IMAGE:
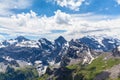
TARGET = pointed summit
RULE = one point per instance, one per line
(21, 38)
(60, 40)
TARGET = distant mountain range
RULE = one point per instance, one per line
(21, 52)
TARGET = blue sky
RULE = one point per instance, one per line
(48, 7)
(52, 18)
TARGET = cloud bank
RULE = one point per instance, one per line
(67, 25)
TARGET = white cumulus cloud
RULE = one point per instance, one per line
(62, 18)
(71, 4)
(7, 5)
(118, 1)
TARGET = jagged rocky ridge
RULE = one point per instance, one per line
(22, 52)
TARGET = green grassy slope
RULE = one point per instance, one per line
(90, 71)
(27, 73)
(97, 66)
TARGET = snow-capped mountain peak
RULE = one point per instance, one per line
(21, 38)
(60, 41)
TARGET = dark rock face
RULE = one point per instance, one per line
(49, 71)
(61, 74)
(60, 41)
(109, 43)
(2, 60)
(106, 44)
(5, 43)
(45, 44)
(12, 62)
(92, 43)
(47, 50)
(102, 76)
(76, 50)
(116, 52)
(19, 53)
